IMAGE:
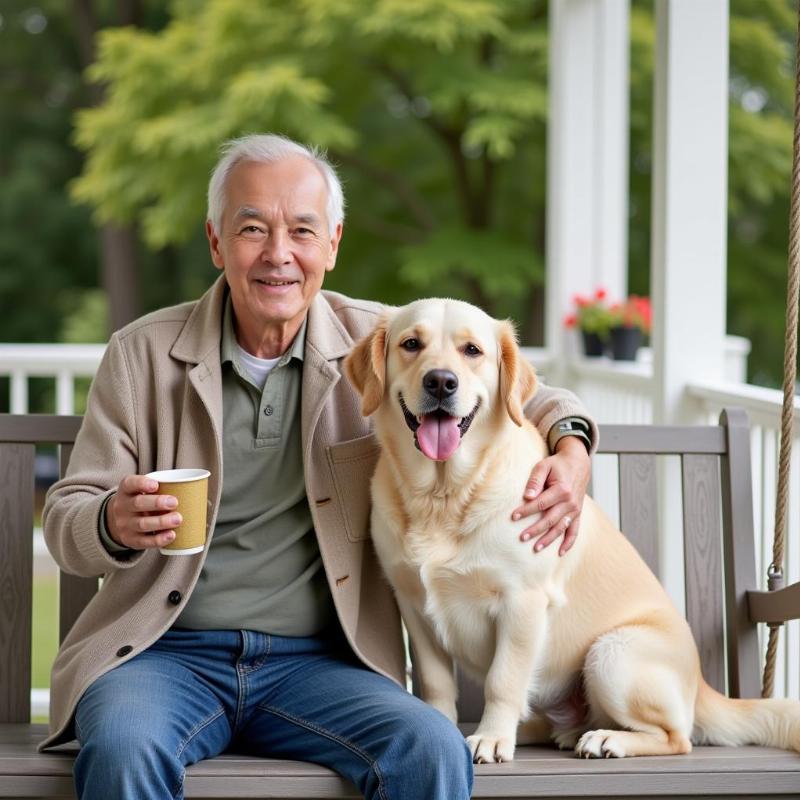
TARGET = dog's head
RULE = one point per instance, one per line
(440, 367)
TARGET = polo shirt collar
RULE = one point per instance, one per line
(228, 347)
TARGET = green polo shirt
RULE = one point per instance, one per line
(263, 570)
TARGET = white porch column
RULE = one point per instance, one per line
(587, 156)
(690, 201)
(688, 258)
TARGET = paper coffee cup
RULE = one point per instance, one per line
(190, 487)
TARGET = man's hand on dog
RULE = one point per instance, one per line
(556, 490)
(138, 518)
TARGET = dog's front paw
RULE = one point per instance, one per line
(600, 744)
(488, 748)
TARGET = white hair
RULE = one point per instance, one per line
(267, 148)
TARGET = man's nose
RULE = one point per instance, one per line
(277, 247)
(440, 383)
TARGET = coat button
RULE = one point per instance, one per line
(123, 651)
(174, 597)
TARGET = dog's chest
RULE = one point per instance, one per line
(467, 582)
(463, 577)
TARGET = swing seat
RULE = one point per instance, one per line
(723, 607)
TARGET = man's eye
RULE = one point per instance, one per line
(472, 350)
(251, 229)
(411, 345)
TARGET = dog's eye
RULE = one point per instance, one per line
(412, 345)
(472, 350)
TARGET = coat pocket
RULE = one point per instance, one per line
(352, 465)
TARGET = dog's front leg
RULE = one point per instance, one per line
(520, 632)
(433, 666)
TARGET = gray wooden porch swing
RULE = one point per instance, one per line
(722, 605)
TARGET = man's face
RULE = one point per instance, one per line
(274, 246)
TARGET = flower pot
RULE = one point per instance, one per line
(625, 342)
(593, 345)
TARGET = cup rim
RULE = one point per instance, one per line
(178, 475)
(183, 551)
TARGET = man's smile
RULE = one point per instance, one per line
(275, 286)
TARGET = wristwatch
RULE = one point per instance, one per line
(570, 426)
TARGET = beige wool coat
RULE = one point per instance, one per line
(156, 403)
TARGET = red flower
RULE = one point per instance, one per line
(581, 300)
(590, 313)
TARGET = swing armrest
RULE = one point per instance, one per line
(778, 606)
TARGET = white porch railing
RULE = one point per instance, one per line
(616, 392)
(61, 362)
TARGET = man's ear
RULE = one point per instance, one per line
(365, 367)
(213, 243)
(517, 375)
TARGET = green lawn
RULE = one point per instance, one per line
(45, 631)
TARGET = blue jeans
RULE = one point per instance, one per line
(195, 694)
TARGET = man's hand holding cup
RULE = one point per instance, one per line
(143, 513)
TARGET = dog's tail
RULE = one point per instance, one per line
(722, 720)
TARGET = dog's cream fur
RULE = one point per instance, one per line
(584, 649)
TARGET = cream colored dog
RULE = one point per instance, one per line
(584, 649)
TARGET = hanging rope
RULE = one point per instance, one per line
(775, 571)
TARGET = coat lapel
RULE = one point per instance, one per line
(198, 346)
(326, 342)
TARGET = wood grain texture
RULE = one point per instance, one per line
(74, 592)
(16, 580)
(38, 428)
(638, 505)
(743, 772)
(738, 547)
(702, 553)
(663, 439)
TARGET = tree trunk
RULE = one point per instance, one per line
(118, 244)
(120, 273)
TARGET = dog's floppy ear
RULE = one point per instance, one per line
(365, 367)
(517, 375)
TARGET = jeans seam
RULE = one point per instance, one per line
(197, 728)
(256, 665)
(185, 741)
(303, 723)
(178, 790)
(241, 684)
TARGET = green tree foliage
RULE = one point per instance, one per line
(434, 110)
(50, 262)
(44, 246)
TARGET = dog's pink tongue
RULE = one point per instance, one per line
(438, 437)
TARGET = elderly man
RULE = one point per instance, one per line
(281, 638)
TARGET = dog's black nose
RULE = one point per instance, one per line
(440, 383)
